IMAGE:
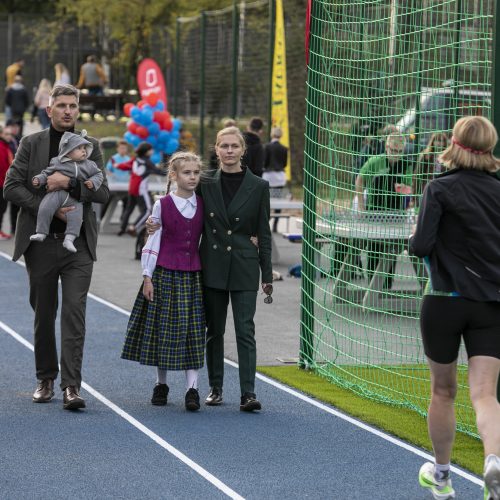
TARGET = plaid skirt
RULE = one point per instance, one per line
(170, 331)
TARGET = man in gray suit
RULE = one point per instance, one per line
(48, 261)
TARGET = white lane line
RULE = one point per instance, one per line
(141, 427)
(387, 437)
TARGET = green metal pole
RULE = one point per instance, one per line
(309, 247)
(456, 59)
(202, 86)
(176, 93)
(272, 16)
(236, 45)
(495, 91)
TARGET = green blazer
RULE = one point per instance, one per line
(230, 261)
(31, 158)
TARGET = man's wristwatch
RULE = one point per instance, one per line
(72, 183)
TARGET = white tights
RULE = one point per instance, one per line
(191, 378)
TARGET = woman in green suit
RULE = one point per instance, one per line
(236, 210)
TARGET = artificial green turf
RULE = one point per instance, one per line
(400, 422)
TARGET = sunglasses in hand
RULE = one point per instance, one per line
(268, 290)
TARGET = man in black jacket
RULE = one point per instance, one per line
(275, 160)
(254, 154)
(18, 100)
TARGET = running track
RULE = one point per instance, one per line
(123, 447)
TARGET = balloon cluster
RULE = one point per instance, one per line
(152, 123)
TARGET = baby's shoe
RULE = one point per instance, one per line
(68, 245)
(38, 237)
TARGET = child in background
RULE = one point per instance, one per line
(6, 158)
(167, 326)
(117, 174)
(138, 193)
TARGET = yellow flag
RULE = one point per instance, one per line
(279, 94)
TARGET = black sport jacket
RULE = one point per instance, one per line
(459, 230)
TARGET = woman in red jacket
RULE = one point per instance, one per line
(6, 158)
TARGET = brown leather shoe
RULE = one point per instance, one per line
(72, 399)
(44, 391)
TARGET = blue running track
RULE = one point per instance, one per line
(123, 447)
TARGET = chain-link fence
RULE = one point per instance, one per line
(409, 68)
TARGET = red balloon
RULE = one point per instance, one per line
(158, 116)
(142, 132)
(153, 98)
(141, 103)
(168, 125)
(132, 127)
(127, 107)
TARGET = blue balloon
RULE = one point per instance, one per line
(160, 106)
(147, 107)
(177, 124)
(135, 112)
(147, 116)
(163, 136)
(156, 157)
(172, 146)
(175, 134)
(128, 136)
(154, 128)
(152, 140)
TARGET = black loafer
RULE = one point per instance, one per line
(160, 395)
(249, 402)
(192, 400)
(44, 391)
(215, 397)
(72, 399)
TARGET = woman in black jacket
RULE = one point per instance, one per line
(458, 235)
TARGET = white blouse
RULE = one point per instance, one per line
(187, 207)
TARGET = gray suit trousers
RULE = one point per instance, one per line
(46, 262)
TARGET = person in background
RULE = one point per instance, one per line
(186, 141)
(166, 328)
(11, 72)
(458, 236)
(92, 77)
(18, 100)
(428, 164)
(254, 152)
(387, 180)
(275, 160)
(61, 74)
(41, 101)
(15, 137)
(118, 175)
(6, 158)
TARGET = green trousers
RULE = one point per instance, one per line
(243, 304)
(46, 262)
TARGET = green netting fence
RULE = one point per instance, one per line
(408, 69)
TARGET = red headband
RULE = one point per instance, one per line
(466, 148)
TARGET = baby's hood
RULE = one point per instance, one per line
(70, 141)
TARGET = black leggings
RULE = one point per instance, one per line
(445, 320)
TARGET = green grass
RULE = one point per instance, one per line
(400, 422)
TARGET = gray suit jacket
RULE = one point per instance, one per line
(31, 158)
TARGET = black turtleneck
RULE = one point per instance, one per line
(230, 183)
(57, 225)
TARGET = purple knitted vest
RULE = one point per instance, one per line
(180, 237)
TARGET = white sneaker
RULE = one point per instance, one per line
(492, 477)
(38, 237)
(440, 489)
(68, 245)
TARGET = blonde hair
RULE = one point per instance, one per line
(230, 131)
(276, 132)
(471, 147)
(228, 122)
(177, 159)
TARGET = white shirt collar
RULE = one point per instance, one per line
(179, 201)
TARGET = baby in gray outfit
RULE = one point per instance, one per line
(72, 161)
